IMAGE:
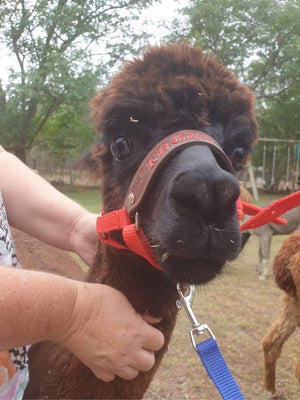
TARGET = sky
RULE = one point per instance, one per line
(165, 10)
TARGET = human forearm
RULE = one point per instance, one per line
(94, 321)
(34, 306)
(37, 208)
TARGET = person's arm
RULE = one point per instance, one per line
(37, 208)
(94, 321)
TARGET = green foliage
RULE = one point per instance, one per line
(52, 44)
(281, 118)
(260, 41)
(67, 132)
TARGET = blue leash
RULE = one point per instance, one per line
(218, 370)
(209, 351)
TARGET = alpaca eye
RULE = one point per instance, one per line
(237, 156)
(121, 148)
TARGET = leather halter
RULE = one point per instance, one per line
(126, 219)
(158, 155)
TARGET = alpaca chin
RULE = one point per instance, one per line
(194, 272)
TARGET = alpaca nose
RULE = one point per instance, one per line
(208, 193)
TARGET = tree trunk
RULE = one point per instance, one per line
(20, 152)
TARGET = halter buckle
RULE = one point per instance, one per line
(137, 221)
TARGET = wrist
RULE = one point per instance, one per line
(75, 231)
(73, 335)
(62, 329)
(83, 236)
(60, 316)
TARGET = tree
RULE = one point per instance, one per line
(52, 46)
(258, 39)
(281, 118)
(67, 132)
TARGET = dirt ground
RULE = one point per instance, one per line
(34, 254)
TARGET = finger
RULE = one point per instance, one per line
(145, 361)
(128, 373)
(154, 339)
(151, 320)
(104, 375)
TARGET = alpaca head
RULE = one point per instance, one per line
(189, 215)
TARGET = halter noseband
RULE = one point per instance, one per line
(157, 157)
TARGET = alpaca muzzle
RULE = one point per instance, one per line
(127, 219)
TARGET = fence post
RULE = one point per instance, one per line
(252, 181)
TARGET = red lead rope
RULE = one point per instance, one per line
(271, 213)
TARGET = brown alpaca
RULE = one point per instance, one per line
(286, 268)
(189, 214)
(245, 195)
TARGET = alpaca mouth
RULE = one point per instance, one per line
(193, 271)
(198, 257)
(195, 261)
(191, 268)
(200, 249)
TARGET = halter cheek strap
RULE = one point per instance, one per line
(133, 236)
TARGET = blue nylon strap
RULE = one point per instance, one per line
(218, 371)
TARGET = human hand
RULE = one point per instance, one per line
(84, 238)
(107, 334)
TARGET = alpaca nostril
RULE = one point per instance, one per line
(193, 198)
(227, 192)
(190, 195)
(209, 199)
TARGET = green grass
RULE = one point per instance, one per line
(89, 198)
(264, 197)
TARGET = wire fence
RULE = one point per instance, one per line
(276, 165)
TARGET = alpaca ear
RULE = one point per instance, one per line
(97, 106)
(90, 162)
(245, 195)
